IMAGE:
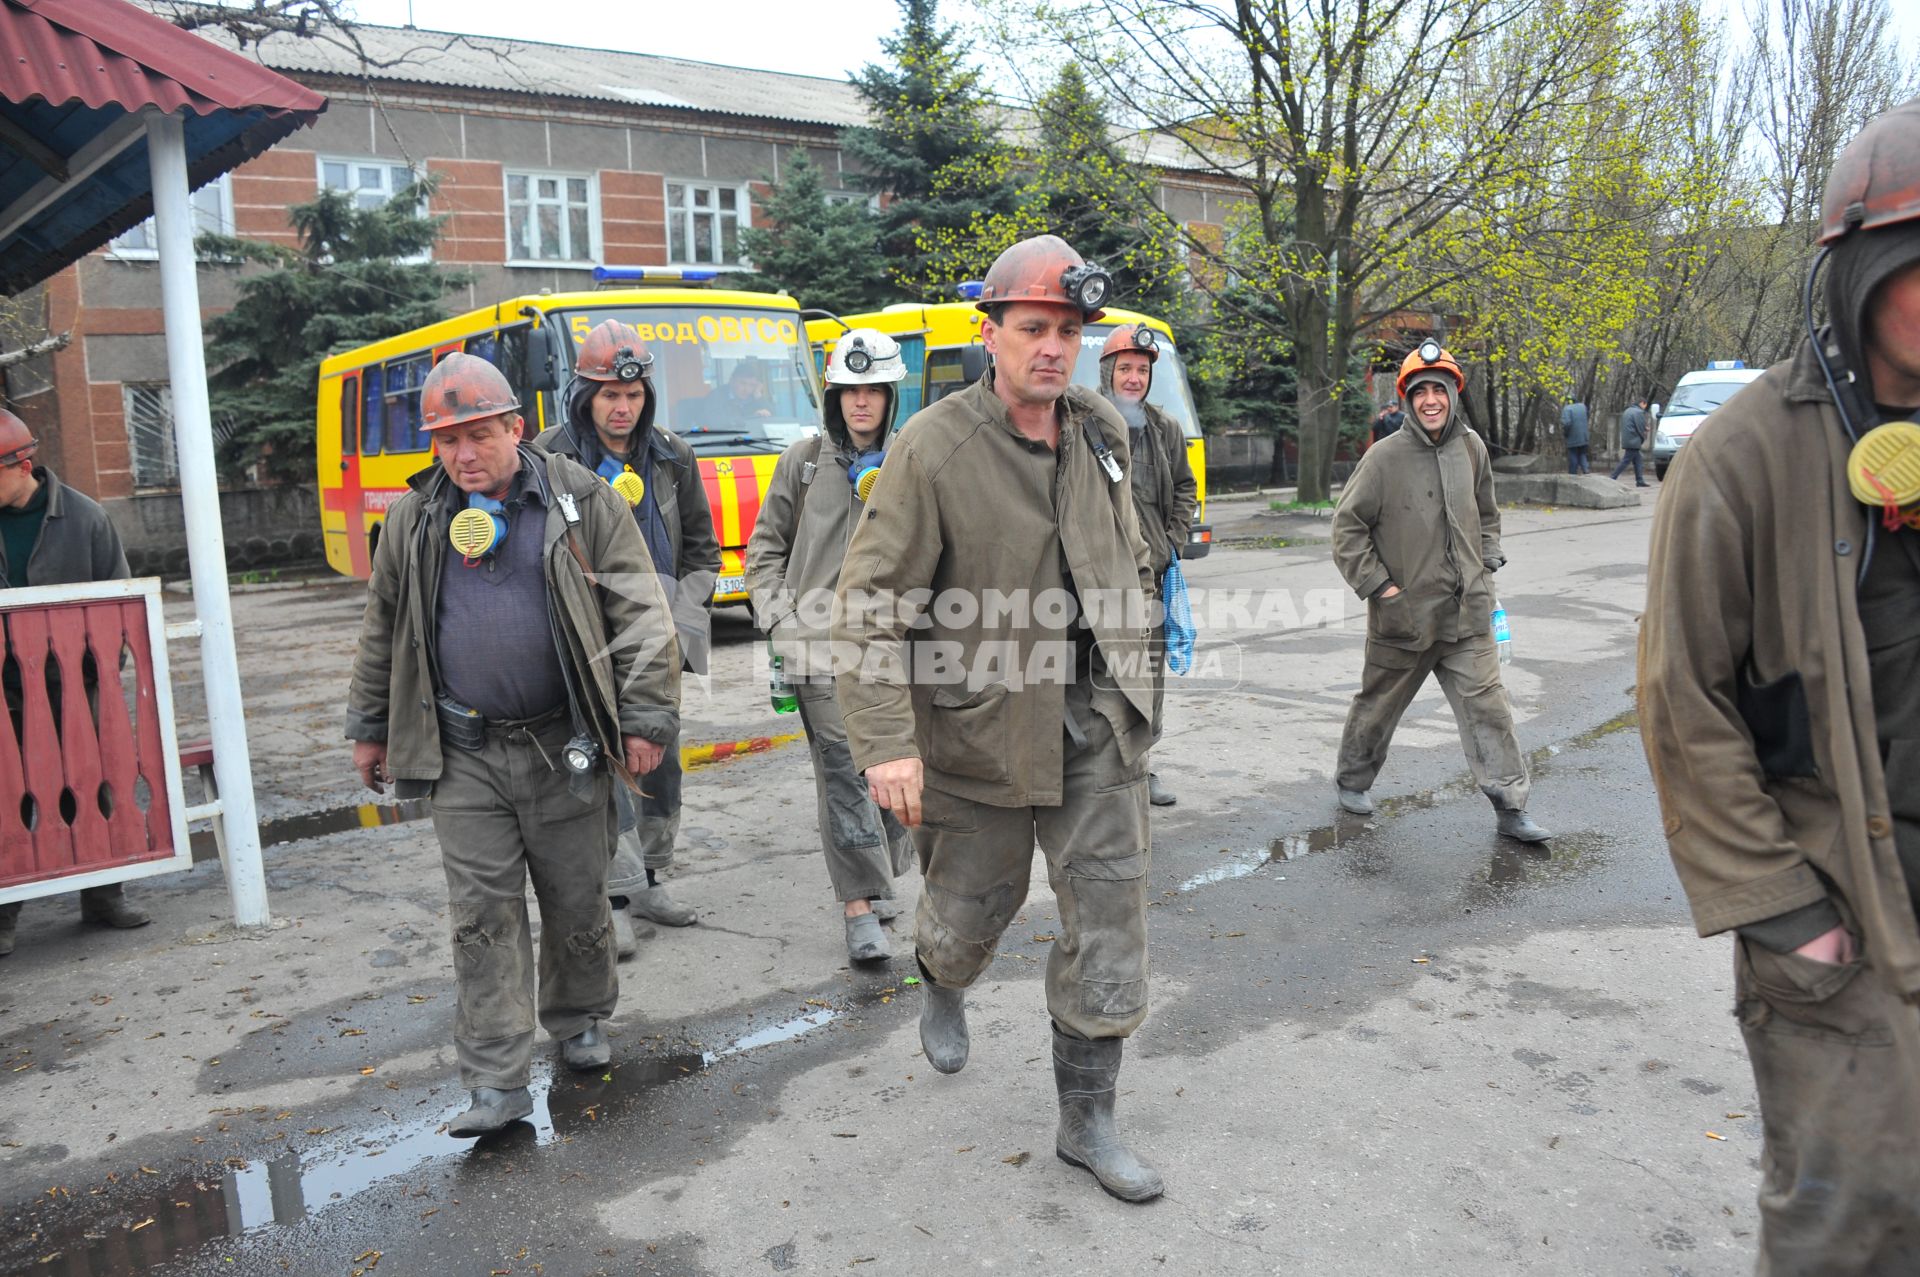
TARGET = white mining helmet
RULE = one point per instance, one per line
(865, 357)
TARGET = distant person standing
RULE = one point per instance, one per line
(1633, 437)
(1573, 425)
(1387, 422)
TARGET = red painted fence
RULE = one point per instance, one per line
(83, 757)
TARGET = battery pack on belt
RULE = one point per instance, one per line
(461, 726)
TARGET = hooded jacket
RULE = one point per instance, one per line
(618, 635)
(1164, 502)
(1420, 514)
(800, 540)
(967, 504)
(1755, 699)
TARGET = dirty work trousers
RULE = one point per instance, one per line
(1469, 673)
(504, 814)
(977, 860)
(866, 848)
(1836, 1062)
(649, 828)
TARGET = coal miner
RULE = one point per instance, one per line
(609, 428)
(516, 660)
(1003, 524)
(1779, 696)
(1417, 535)
(1164, 491)
(793, 563)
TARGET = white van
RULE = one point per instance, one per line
(1694, 396)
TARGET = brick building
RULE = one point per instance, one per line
(550, 159)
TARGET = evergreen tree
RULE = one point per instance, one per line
(825, 252)
(347, 283)
(931, 147)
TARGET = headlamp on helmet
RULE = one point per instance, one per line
(1430, 351)
(629, 367)
(859, 359)
(1088, 286)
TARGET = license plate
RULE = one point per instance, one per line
(730, 585)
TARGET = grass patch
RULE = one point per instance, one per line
(1299, 507)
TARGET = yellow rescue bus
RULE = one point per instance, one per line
(712, 350)
(941, 346)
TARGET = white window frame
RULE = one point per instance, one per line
(164, 457)
(219, 190)
(386, 164)
(577, 259)
(869, 198)
(743, 216)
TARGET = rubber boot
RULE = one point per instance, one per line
(1355, 801)
(1158, 794)
(587, 1050)
(885, 908)
(1521, 827)
(625, 944)
(108, 907)
(943, 1025)
(654, 904)
(866, 942)
(489, 1109)
(9, 926)
(1085, 1073)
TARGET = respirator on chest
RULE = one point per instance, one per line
(864, 469)
(477, 531)
(1884, 470)
(623, 479)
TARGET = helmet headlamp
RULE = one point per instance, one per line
(859, 359)
(1088, 286)
(1430, 351)
(629, 367)
(1144, 338)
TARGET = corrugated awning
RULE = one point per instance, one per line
(78, 79)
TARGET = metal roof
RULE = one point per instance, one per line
(77, 79)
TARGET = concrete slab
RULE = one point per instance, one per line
(1569, 491)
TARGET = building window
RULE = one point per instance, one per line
(869, 200)
(149, 410)
(212, 215)
(703, 224)
(550, 218)
(371, 182)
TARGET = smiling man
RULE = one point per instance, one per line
(995, 600)
(1417, 535)
(511, 680)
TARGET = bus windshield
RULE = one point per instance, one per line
(1168, 391)
(728, 378)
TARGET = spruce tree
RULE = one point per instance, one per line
(825, 252)
(348, 282)
(931, 148)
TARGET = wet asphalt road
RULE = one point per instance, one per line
(1396, 1044)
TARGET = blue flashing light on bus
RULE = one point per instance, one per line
(971, 289)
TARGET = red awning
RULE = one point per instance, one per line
(108, 52)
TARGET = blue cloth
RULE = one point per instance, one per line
(1573, 424)
(1179, 619)
(653, 525)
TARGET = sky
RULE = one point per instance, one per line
(832, 41)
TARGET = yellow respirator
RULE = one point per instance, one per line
(1884, 470)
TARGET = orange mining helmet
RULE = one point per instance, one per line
(463, 388)
(1425, 357)
(1046, 269)
(613, 351)
(1134, 339)
(1875, 181)
(17, 443)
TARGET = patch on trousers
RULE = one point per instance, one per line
(1109, 897)
(850, 809)
(1114, 999)
(590, 942)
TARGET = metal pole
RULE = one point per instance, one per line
(200, 495)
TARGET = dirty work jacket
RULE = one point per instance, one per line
(1166, 515)
(1421, 515)
(1756, 705)
(77, 541)
(793, 559)
(632, 684)
(674, 479)
(965, 503)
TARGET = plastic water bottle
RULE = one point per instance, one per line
(1502, 633)
(778, 689)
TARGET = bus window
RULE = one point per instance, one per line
(913, 353)
(349, 417)
(373, 428)
(943, 375)
(404, 379)
(487, 346)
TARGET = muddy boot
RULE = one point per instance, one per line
(9, 924)
(108, 907)
(587, 1049)
(654, 904)
(489, 1109)
(1355, 801)
(1158, 794)
(866, 942)
(1520, 827)
(1085, 1074)
(625, 945)
(943, 1025)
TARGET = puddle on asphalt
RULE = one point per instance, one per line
(285, 1189)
